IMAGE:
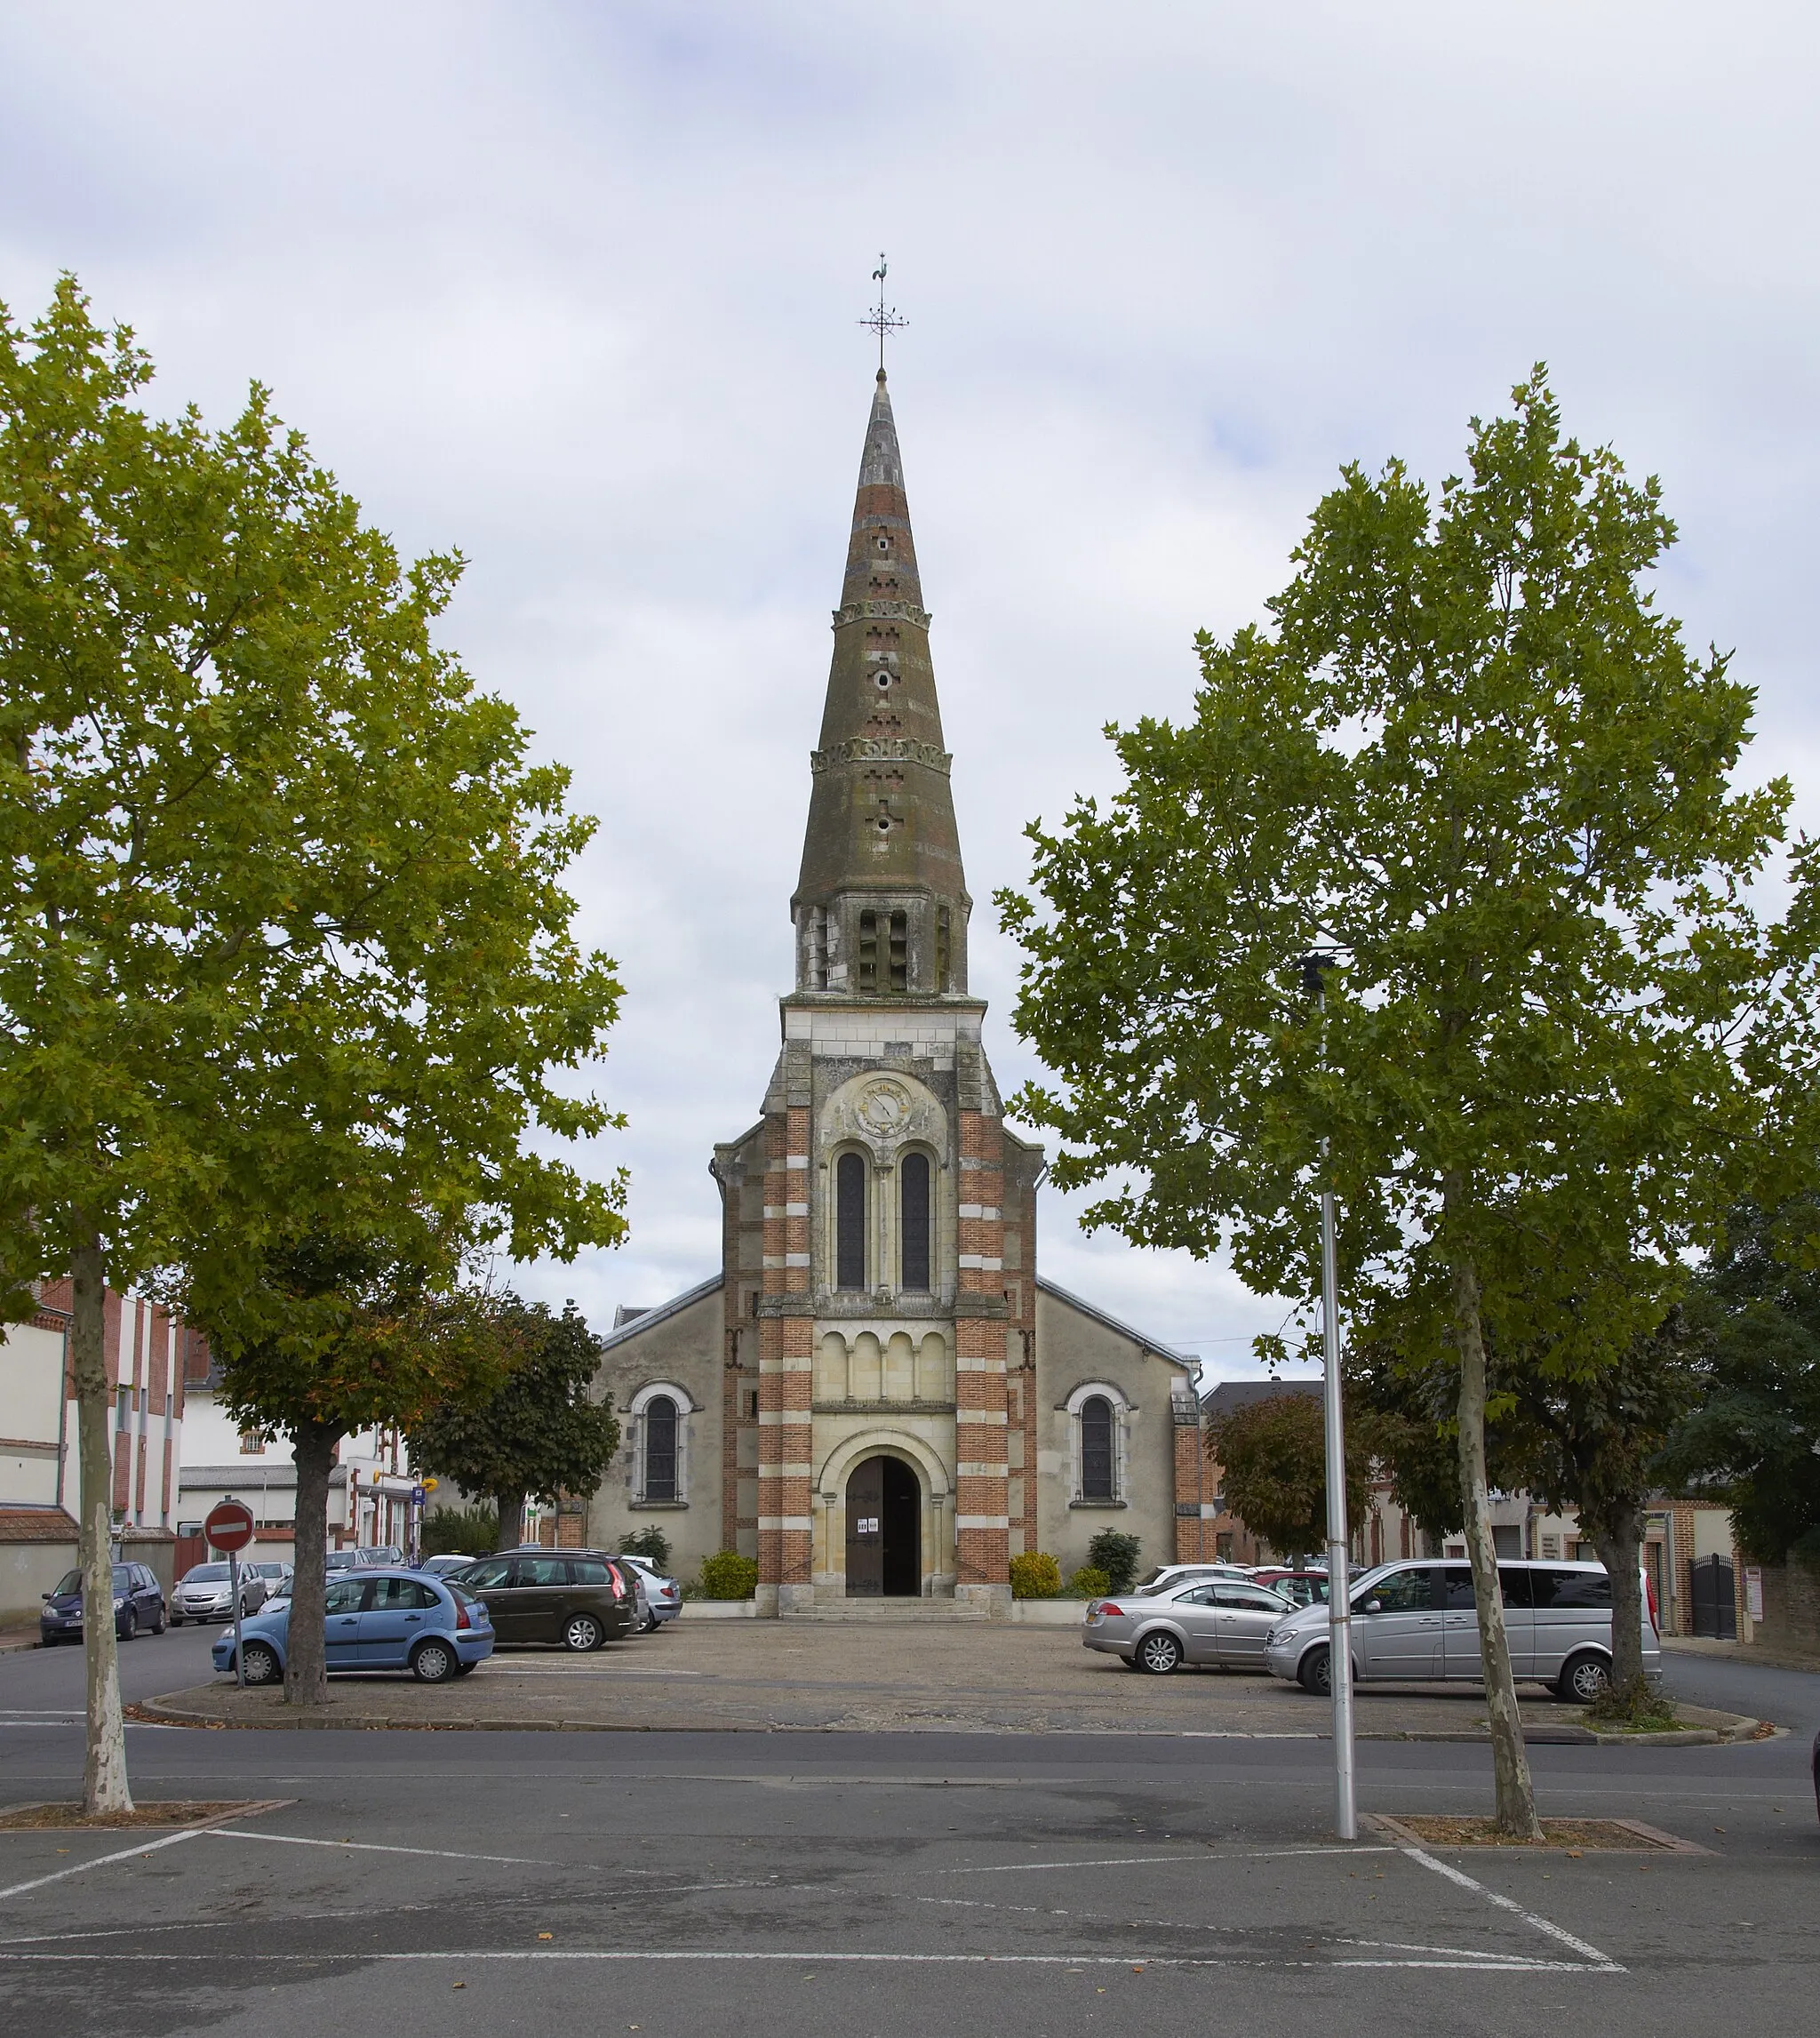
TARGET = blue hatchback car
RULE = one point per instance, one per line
(390, 1619)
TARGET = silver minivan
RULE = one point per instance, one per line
(1416, 1622)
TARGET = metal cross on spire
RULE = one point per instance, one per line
(882, 321)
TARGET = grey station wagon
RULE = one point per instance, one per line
(1417, 1622)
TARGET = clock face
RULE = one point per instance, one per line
(884, 1108)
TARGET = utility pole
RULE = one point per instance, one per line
(1339, 1598)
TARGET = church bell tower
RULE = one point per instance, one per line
(880, 1343)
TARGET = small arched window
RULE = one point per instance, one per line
(1097, 1449)
(660, 1448)
(913, 1187)
(850, 1221)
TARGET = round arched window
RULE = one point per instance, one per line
(1097, 1449)
(661, 1448)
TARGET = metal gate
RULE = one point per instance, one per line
(1715, 1599)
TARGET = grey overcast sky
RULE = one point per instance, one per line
(574, 286)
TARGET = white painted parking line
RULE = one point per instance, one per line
(1591, 1953)
(467, 1956)
(1148, 1860)
(102, 1861)
(373, 1847)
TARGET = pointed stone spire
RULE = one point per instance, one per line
(881, 905)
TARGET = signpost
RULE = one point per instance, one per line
(229, 1527)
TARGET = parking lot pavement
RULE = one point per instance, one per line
(877, 1676)
(890, 1883)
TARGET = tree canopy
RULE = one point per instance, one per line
(539, 1433)
(1474, 764)
(1272, 1459)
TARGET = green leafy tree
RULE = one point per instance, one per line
(1755, 1431)
(1471, 761)
(651, 1544)
(283, 948)
(539, 1433)
(1272, 1459)
(1116, 1554)
(459, 1531)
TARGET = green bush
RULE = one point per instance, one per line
(1090, 1582)
(1114, 1553)
(727, 1575)
(651, 1544)
(1035, 1575)
(461, 1533)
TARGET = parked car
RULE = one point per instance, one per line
(449, 1565)
(1165, 1577)
(1417, 1620)
(342, 1561)
(380, 1554)
(578, 1598)
(1299, 1587)
(1218, 1622)
(205, 1592)
(139, 1601)
(276, 1577)
(663, 1595)
(376, 1621)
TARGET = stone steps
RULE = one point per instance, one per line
(882, 1609)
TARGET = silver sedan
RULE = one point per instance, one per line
(1218, 1622)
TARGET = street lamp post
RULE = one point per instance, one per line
(1339, 1606)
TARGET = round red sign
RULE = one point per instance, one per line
(229, 1525)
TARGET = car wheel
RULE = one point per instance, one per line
(260, 1664)
(1129, 1663)
(129, 1625)
(434, 1663)
(158, 1625)
(583, 1633)
(177, 1620)
(1159, 1654)
(1583, 1678)
(1317, 1674)
(462, 1669)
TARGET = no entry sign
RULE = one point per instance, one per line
(229, 1525)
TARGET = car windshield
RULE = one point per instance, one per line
(206, 1574)
(71, 1581)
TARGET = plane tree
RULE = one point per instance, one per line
(1471, 765)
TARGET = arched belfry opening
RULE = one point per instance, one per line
(885, 1531)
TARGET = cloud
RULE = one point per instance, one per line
(577, 288)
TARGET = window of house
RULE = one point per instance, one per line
(912, 1183)
(850, 1220)
(1097, 1449)
(661, 1448)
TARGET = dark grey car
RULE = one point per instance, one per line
(138, 1603)
(578, 1598)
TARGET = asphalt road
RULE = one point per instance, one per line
(917, 1883)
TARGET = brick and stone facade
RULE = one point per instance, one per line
(879, 1327)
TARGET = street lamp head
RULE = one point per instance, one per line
(1314, 966)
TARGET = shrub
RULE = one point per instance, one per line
(727, 1575)
(1090, 1582)
(651, 1544)
(461, 1533)
(1114, 1553)
(1035, 1575)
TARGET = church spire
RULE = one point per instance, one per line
(881, 905)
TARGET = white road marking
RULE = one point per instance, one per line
(1147, 1860)
(1130, 1958)
(1540, 1924)
(373, 1847)
(103, 1860)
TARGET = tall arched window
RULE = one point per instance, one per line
(850, 1221)
(1097, 1449)
(912, 1190)
(661, 1448)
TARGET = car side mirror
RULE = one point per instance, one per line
(1373, 1606)
(44, 1596)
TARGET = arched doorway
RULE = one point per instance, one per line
(885, 1531)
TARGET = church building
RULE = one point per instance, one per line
(878, 1395)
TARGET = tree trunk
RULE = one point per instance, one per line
(306, 1672)
(1617, 1532)
(511, 1507)
(104, 1786)
(1510, 1763)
